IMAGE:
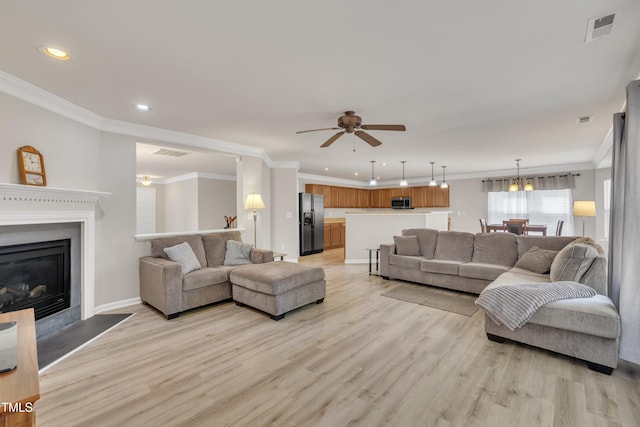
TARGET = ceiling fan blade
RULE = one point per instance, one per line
(383, 127)
(314, 130)
(332, 139)
(367, 138)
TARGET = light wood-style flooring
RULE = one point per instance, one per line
(357, 359)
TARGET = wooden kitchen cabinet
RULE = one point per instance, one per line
(334, 235)
(380, 198)
(327, 236)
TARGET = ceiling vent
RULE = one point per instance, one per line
(582, 120)
(170, 153)
(599, 27)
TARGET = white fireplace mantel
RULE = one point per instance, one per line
(18, 192)
(24, 205)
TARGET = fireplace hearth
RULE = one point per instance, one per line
(36, 275)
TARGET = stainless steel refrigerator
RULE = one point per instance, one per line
(311, 221)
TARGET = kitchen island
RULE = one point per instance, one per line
(365, 230)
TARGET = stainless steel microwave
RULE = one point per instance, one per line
(401, 203)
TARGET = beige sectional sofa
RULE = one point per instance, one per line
(585, 328)
(163, 286)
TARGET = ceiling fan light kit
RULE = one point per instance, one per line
(351, 123)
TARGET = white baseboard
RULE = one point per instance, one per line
(118, 304)
(358, 261)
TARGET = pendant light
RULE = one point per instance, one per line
(433, 182)
(403, 182)
(517, 184)
(372, 181)
(444, 181)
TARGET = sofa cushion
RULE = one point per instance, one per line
(454, 246)
(214, 249)
(572, 262)
(405, 261)
(407, 245)
(427, 238)
(495, 248)
(440, 266)
(237, 253)
(183, 255)
(554, 243)
(478, 270)
(204, 277)
(537, 260)
(593, 316)
(195, 241)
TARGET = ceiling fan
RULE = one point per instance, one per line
(353, 124)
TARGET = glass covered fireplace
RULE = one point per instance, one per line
(36, 275)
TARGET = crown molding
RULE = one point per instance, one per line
(333, 180)
(27, 92)
(195, 175)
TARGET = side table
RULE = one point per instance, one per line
(377, 270)
(280, 255)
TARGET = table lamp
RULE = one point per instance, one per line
(254, 202)
(584, 208)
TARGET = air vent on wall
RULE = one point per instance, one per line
(170, 153)
(599, 27)
(584, 120)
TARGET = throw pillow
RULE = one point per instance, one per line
(572, 262)
(537, 260)
(407, 245)
(237, 253)
(183, 255)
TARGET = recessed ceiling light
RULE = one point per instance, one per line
(143, 107)
(355, 173)
(55, 53)
(384, 164)
(326, 169)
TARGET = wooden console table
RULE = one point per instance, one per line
(20, 388)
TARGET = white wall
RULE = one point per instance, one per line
(253, 176)
(77, 156)
(181, 205)
(71, 150)
(117, 252)
(216, 199)
(284, 211)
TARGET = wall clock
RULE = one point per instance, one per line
(31, 166)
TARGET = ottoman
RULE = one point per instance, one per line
(277, 287)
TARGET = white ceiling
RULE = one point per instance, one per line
(477, 84)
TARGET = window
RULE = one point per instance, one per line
(542, 207)
(607, 207)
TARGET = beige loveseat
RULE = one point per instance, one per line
(163, 286)
(585, 328)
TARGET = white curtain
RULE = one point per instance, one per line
(544, 207)
(624, 233)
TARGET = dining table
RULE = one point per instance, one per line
(535, 228)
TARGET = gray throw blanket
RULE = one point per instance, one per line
(513, 306)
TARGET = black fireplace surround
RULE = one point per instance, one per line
(36, 275)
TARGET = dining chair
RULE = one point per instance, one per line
(518, 227)
(559, 227)
(483, 225)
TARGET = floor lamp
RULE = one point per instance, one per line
(584, 208)
(254, 202)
